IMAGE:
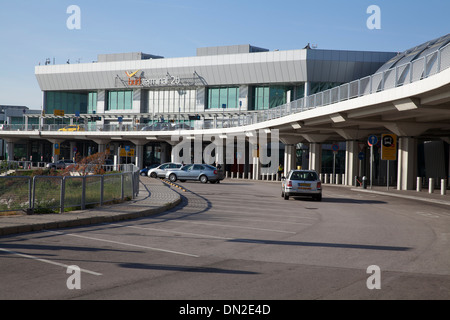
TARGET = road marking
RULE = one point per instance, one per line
(124, 244)
(232, 226)
(274, 221)
(170, 231)
(47, 261)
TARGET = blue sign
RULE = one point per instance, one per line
(120, 119)
(372, 140)
(335, 147)
(56, 146)
(361, 156)
(127, 148)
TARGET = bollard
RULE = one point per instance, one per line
(326, 178)
(336, 179)
(431, 185)
(419, 184)
(364, 182)
(443, 187)
(321, 177)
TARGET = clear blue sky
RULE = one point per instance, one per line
(33, 30)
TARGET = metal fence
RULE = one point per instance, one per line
(57, 193)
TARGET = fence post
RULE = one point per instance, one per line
(83, 193)
(30, 195)
(63, 187)
(122, 185)
(102, 188)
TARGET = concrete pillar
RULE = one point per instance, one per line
(290, 158)
(315, 157)
(407, 163)
(351, 162)
(256, 169)
(139, 160)
(73, 144)
(10, 150)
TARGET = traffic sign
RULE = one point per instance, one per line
(335, 147)
(388, 147)
(372, 140)
(361, 156)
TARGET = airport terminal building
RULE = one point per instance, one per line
(136, 99)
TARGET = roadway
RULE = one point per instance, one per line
(241, 240)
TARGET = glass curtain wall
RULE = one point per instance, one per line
(172, 101)
(120, 100)
(217, 97)
(268, 97)
(70, 102)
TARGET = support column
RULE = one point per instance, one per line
(407, 163)
(56, 148)
(351, 161)
(315, 157)
(10, 150)
(139, 160)
(290, 158)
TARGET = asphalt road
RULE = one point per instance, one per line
(241, 240)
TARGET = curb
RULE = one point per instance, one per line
(174, 185)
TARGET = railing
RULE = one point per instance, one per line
(43, 193)
(411, 72)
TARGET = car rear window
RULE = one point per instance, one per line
(306, 176)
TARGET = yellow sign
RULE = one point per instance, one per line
(57, 149)
(58, 113)
(388, 147)
(123, 153)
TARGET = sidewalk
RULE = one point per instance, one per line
(154, 197)
(423, 195)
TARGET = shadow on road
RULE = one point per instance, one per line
(324, 245)
(182, 268)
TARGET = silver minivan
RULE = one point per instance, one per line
(301, 183)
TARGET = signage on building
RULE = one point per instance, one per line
(388, 147)
(137, 79)
(59, 113)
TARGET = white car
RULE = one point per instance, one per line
(160, 171)
(301, 183)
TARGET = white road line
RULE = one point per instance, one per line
(48, 261)
(169, 231)
(268, 221)
(124, 244)
(232, 226)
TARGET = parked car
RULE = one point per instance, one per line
(61, 164)
(199, 172)
(301, 183)
(144, 171)
(160, 171)
(72, 128)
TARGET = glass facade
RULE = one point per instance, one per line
(217, 97)
(268, 97)
(92, 102)
(120, 100)
(70, 102)
(181, 100)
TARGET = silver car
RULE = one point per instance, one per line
(301, 183)
(160, 171)
(199, 172)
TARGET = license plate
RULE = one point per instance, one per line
(304, 184)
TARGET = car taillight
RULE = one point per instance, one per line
(289, 184)
(319, 185)
(215, 171)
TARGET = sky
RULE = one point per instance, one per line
(33, 30)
